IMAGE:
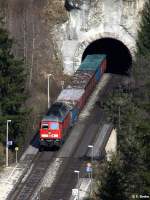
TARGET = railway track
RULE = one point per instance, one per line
(65, 179)
(28, 184)
(62, 187)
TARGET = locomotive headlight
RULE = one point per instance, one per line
(44, 135)
(55, 135)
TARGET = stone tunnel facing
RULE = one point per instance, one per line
(119, 59)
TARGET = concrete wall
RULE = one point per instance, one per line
(111, 146)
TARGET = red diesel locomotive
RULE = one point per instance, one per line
(64, 112)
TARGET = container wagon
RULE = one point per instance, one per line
(71, 100)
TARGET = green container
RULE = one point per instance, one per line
(92, 62)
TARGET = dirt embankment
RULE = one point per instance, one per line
(29, 23)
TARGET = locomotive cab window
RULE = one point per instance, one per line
(54, 125)
(45, 126)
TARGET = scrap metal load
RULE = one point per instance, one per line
(64, 112)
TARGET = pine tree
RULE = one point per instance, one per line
(112, 181)
(143, 41)
(133, 137)
(12, 89)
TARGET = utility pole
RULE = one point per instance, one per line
(78, 173)
(8, 121)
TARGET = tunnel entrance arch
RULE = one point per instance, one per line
(127, 42)
(119, 59)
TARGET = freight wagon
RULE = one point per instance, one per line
(71, 100)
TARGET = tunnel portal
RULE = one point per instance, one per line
(119, 59)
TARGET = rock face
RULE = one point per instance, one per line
(92, 20)
(88, 21)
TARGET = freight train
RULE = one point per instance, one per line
(65, 111)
